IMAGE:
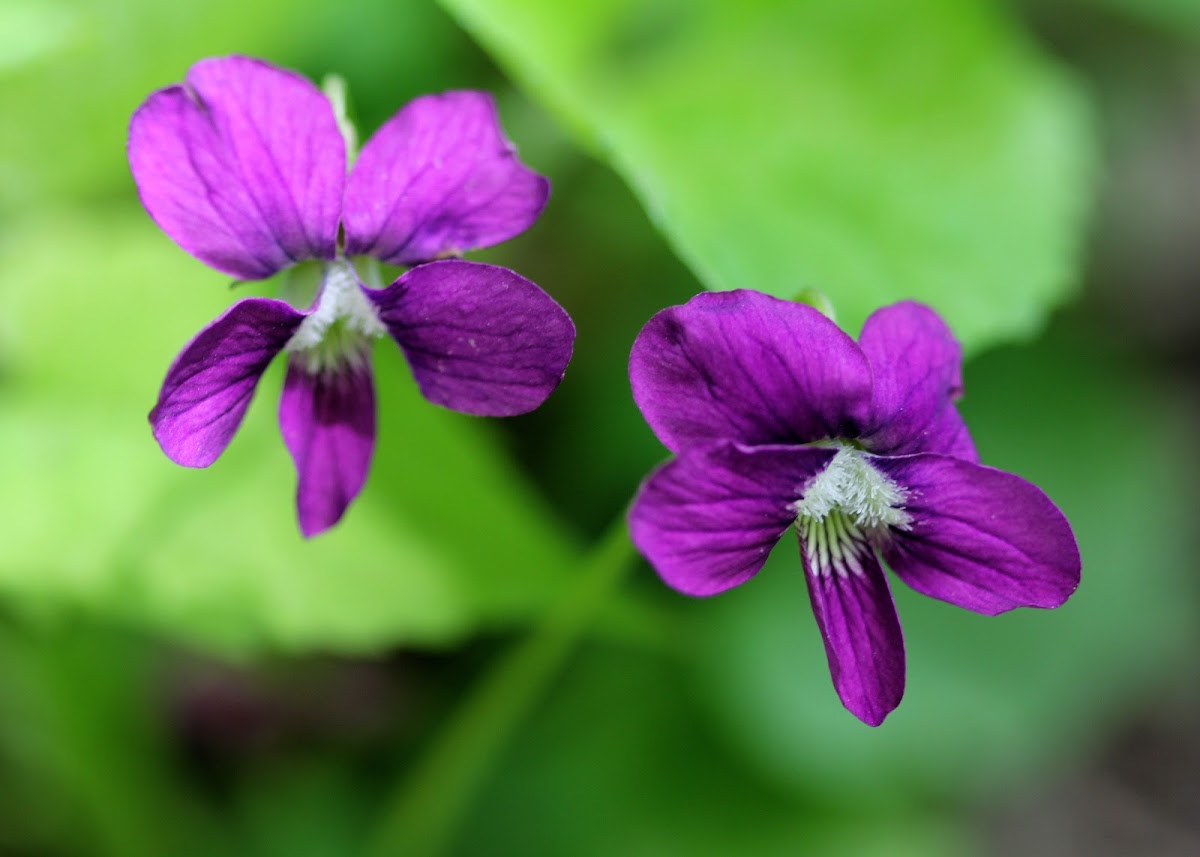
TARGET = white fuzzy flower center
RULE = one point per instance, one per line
(341, 300)
(850, 485)
(843, 509)
(341, 326)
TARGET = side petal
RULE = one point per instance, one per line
(917, 365)
(748, 367)
(328, 423)
(980, 538)
(480, 339)
(707, 520)
(211, 382)
(439, 178)
(242, 165)
(858, 623)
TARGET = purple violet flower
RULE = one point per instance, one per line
(245, 166)
(778, 419)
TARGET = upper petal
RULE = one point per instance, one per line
(748, 367)
(707, 520)
(480, 338)
(242, 165)
(980, 538)
(327, 418)
(439, 178)
(211, 382)
(917, 366)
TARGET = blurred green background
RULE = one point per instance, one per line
(181, 674)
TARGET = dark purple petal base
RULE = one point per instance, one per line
(863, 642)
(328, 423)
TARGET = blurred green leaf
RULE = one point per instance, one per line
(308, 807)
(34, 30)
(651, 780)
(446, 536)
(82, 756)
(990, 701)
(874, 149)
(73, 71)
(1178, 17)
(95, 60)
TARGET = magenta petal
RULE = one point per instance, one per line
(748, 367)
(980, 538)
(328, 424)
(863, 642)
(439, 178)
(211, 382)
(242, 165)
(707, 520)
(480, 339)
(917, 365)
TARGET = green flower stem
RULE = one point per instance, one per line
(334, 87)
(419, 819)
(368, 268)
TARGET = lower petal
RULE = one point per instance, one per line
(853, 606)
(707, 520)
(980, 538)
(209, 386)
(328, 422)
(480, 339)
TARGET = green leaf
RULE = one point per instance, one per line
(1174, 17)
(307, 806)
(72, 72)
(81, 751)
(445, 538)
(991, 701)
(872, 149)
(651, 780)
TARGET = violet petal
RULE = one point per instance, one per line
(707, 520)
(480, 339)
(748, 367)
(211, 382)
(439, 178)
(863, 641)
(980, 538)
(328, 423)
(242, 165)
(917, 366)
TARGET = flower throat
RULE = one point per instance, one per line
(843, 508)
